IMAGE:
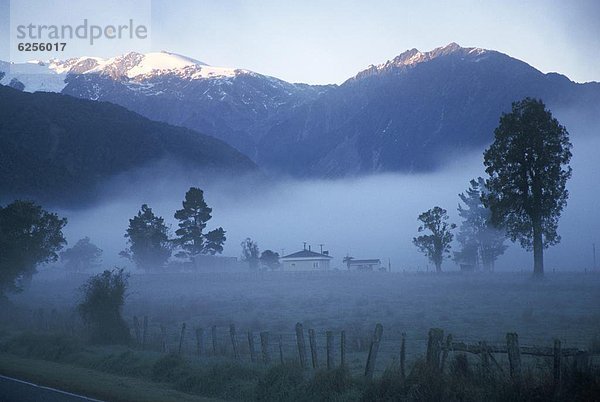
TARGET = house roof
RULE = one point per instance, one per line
(307, 254)
(373, 261)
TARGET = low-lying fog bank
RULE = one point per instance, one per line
(367, 217)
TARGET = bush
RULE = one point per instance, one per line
(103, 299)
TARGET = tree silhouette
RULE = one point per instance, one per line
(528, 168)
(82, 256)
(29, 236)
(149, 245)
(436, 245)
(192, 221)
(270, 259)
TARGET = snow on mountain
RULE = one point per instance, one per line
(412, 57)
(50, 75)
(35, 76)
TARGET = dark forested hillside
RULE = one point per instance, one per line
(57, 147)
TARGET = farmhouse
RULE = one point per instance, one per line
(364, 265)
(306, 260)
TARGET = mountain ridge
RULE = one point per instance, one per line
(401, 115)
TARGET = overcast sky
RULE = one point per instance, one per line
(328, 41)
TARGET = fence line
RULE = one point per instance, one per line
(327, 349)
(315, 348)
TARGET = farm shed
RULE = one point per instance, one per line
(364, 265)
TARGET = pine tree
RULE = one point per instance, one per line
(481, 242)
(192, 221)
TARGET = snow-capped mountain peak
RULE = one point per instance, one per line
(50, 75)
(412, 57)
(129, 65)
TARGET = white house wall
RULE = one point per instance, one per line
(305, 265)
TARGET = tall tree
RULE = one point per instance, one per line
(29, 236)
(192, 221)
(436, 245)
(481, 242)
(82, 256)
(149, 245)
(250, 253)
(528, 168)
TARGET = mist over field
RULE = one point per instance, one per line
(372, 216)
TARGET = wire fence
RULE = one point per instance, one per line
(322, 348)
(327, 349)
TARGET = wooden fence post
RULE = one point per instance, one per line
(301, 345)
(264, 346)
(514, 356)
(181, 338)
(557, 364)
(136, 328)
(251, 346)
(370, 367)
(236, 355)
(403, 356)
(213, 332)
(281, 349)
(343, 349)
(329, 344)
(163, 338)
(447, 348)
(145, 332)
(434, 347)
(200, 341)
(312, 341)
(484, 356)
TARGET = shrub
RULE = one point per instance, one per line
(103, 299)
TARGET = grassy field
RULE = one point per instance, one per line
(473, 308)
